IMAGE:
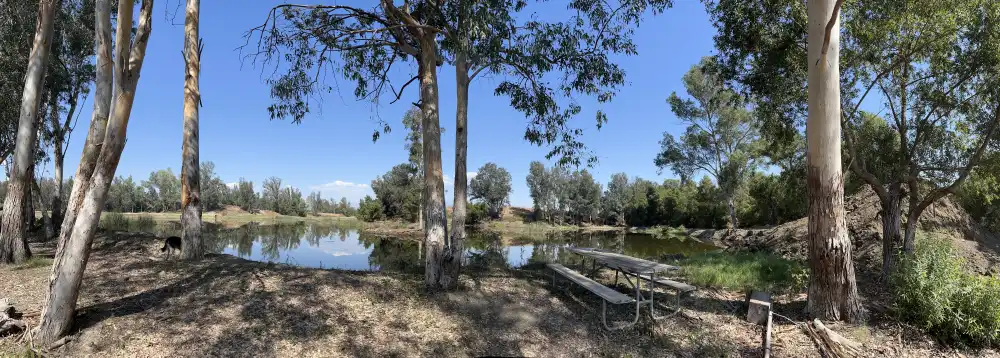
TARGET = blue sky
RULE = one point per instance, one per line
(331, 151)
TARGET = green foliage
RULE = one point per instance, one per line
(935, 292)
(980, 194)
(213, 190)
(163, 190)
(744, 271)
(615, 199)
(145, 223)
(370, 210)
(775, 199)
(245, 197)
(491, 186)
(720, 139)
(930, 65)
(113, 221)
(477, 213)
(399, 192)
(362, 45)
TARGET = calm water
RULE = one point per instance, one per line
(324, 246)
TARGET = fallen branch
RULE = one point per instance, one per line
(819, 341)
(841, 346)
(10, 320)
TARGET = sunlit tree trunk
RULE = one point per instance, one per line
(437, 253)
(13, 239)
(71, 256)
(833, 293)
(731, 208)
(461, 149)
(190, 173)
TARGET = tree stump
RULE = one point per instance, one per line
(10, 319)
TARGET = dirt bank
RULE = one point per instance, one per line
(977, 245)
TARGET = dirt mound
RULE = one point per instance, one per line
(977, 245)
(231, 210)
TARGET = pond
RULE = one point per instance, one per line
(329, 246)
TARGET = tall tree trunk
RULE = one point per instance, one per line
(13, 239)
(454, 266)
(833, 292)
(71, 257)
(190, 173)
(437, 253)
(103, 89)
(59, 160)
(731, 207)
(891, 230)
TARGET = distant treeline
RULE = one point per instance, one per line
(161, 192)
(575, 197)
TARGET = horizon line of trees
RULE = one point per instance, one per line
(161, 192)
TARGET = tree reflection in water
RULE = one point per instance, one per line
(340, 246)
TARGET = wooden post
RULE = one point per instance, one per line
(759, 308)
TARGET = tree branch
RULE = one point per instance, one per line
(400, 93)
(973, 161)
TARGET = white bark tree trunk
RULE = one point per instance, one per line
(71, 256)
(13, 239)
(190, 172)
(461, 158)
(833, 293)
(437, 253)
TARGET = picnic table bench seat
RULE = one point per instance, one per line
(679, 286)
(607, 294)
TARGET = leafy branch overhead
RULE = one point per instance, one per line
(363, 45)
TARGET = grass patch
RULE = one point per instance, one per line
(935, 291)
(114, 222)
(746, 271)
(33, 262)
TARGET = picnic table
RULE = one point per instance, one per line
(628, 267)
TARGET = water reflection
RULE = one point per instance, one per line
(331, 246)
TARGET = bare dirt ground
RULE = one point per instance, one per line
(133, 304)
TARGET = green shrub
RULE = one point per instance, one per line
(935, 292)
(477, 213)
(748, 271)
(370, 210)
(145, 223)
(114, 222)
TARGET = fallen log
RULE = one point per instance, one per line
(839, 345)
(10, 319)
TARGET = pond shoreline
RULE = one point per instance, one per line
(133, 303)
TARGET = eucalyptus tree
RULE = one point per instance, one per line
(365, 43)
(615, 199)
(68, 80)
(13, 239)
(491, 36)
(191, 204)
(929, 64)
(101, 153)
(720, 139)
(491, 186)
(833, 291)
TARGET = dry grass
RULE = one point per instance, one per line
(133, 304)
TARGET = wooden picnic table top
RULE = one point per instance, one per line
(624, 262)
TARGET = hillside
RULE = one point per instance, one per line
(979, 247)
